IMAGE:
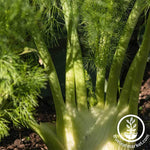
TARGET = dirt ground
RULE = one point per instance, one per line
(26, 139)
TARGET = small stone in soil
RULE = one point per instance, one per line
(17, 142)
(45, 147)
(21, 146)
(37, 145)
(33, 135)
(10, 147)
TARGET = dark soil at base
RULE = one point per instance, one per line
(26, 139)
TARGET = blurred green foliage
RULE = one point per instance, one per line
(21, 76)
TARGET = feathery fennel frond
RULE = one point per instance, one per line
(3, 128)
(104, 21)
(20, 84)
(16, 18)
(52, 20)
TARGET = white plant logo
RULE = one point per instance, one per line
(130, 134)
(131, 128)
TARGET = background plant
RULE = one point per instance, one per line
(21, 77)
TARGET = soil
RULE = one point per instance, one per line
(144, 105)
(25, 139)
(144, 96)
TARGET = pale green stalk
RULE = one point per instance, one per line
(141, 59)
(100, 75)
(100, 86)
(114, 74)
(70, 10)
(81, 92)
(103, 47)
(133, 73)
(53, 81)
(70, 79)
(48, 134)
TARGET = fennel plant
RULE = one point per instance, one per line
(108, 27)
